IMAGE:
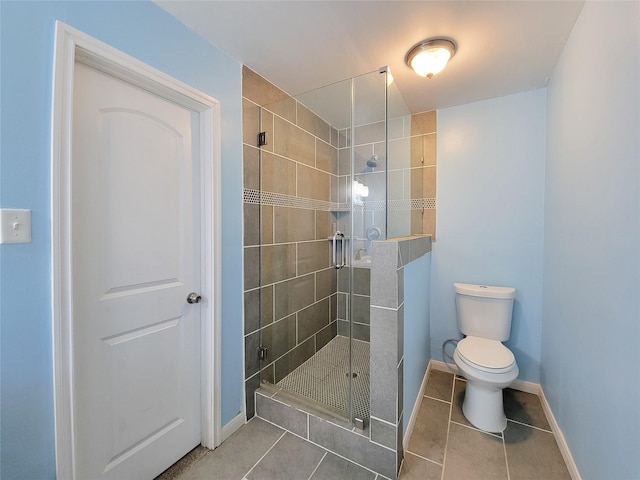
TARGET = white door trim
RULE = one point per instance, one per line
(72, 45)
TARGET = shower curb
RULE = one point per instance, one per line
(325, 429)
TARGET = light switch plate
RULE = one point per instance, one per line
(15, 225)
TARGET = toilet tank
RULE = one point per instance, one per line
(484, 311)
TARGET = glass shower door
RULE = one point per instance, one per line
(322, 196)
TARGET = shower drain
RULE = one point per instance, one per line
(353, 375)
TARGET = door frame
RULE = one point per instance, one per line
(72, 45)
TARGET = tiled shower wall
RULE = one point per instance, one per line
(423, 172)
(290, 286)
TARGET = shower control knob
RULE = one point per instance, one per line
(193, 297)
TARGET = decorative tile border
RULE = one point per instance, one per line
(257, 197)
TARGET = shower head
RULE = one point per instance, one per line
(373, 161)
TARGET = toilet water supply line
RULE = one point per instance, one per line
(445, 355)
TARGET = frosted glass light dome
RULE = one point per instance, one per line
(429, 57)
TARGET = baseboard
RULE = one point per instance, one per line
(520, 385)
(232, 426)
(557, 433)
(536, 389)
(416, 409)
(443, 367)
(527, 387)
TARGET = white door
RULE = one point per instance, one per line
(136, 254)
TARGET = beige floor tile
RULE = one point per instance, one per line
(291, 458)
(429, 437)
(474, 455)
(533, 454)
(439, 385)
(524, 408)
(333, 467)
(238, 454)
(416, 468)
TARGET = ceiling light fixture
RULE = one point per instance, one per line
(429, 57)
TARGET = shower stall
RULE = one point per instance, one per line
(322, 170)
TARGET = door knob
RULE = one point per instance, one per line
(193, 297)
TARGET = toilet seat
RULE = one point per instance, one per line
(486, 355)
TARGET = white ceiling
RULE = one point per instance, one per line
(504, 47)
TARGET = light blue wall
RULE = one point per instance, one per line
(417, 285)
(591, 310)
(146, 32)
(490, 215)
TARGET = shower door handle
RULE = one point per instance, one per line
(342, 263)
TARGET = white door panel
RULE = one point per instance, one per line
(136, 254)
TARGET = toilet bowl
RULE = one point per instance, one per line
(484, 316)
(489, 367)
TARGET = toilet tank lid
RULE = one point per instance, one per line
(485, 290)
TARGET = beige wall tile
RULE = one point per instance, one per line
(267, 126)
(251, 167)
(416, 151)
(278, 174)
(344, 189)
(285, 108)
(278, 262)
(294, 295)
(429, 149)
(344, 138)
(250, 123)
(312, 123)
(326, 157)
(335, 188)
(313, 319)
(417, 180)
(326, 283)
(267, 224)
(259, 90)
(251, 224)
(370, 133)
(344, 161)
(313, 183)
(429, 222)
(313, 256)
(416, 222)
(292, 142)
(396, 185)
(424, 122)
(293, 224)
(399, 153)
(324, 227)
(334, 137)
(429, 182)
(266, 302)
(251, 267)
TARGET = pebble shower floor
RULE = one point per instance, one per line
(324, 377)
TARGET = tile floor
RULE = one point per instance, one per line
(443, 446)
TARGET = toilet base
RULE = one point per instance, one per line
(483, 407)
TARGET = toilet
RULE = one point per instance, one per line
(484, 317)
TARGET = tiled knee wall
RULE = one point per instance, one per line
(387, 334)
(379, 447)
